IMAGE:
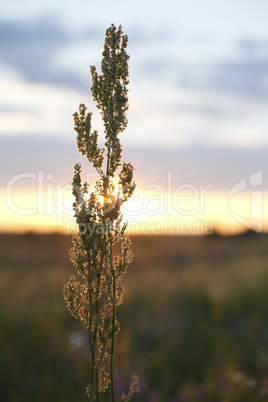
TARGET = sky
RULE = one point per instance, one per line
(198, 100)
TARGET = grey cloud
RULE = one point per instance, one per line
(138, 36)
(220, 167)
(211, 111)
(30, 47)
(156, 66)
(12, 108)
(251, 47)
(246, 75)
(44, 29)
(94, 33)
(24, 44)
(30, 155)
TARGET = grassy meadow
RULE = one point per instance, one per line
(194, 322)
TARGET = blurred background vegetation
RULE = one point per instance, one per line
(194, 322)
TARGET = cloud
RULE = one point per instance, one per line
(245, 78)
(37, 109)
(30, 48)
(195, 166)
(26, 44)
(242, 73)
(178, 95)
(93, 33)
(29, 155)
(45, 51)
(33, 49)
(246, 74)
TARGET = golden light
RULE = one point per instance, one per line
(147, 212)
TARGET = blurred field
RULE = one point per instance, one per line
(194, 322)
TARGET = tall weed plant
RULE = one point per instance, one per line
(95, 298)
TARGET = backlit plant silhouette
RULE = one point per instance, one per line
(97, 213)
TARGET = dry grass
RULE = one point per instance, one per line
(195, 313)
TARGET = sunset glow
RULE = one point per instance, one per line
(198, 101)
(148, 212)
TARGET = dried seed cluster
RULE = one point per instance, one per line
(98, 216)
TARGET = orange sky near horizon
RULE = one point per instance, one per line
(186, 211)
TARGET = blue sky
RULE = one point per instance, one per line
(198, 70)
(198, 90)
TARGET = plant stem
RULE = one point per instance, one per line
(112, 348)
(108, 161)
(93, 362)
(90, 338)
(113, 326)
(91, 374)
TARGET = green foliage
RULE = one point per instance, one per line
(99, 219)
